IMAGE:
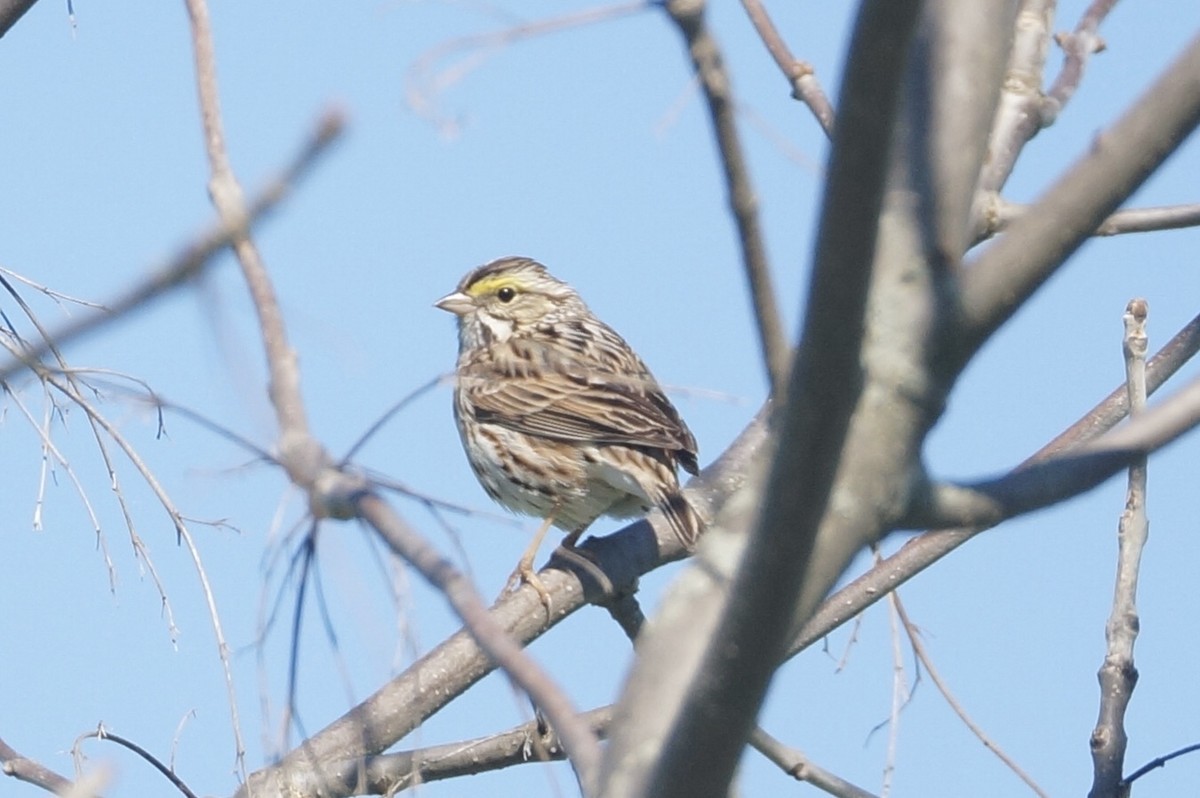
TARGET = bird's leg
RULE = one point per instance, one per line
(525, 572)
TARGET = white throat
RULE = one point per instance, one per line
(501, 329)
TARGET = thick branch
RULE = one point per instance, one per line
(1069, 474)
(691, 700)
(11, 11)
(27, 770)
(1120, 160)
(447, 671)
(926, 549)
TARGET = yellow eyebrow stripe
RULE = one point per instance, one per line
(492, 284)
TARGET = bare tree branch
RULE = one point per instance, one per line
(799, 74)
(1068, 474)
(801, 768)
(450, 668)
(1024, 109)
(299, 452)
(1000, 215)
(1120, 160)
(717, 644)
(1118, 675)
(1019, 111)
(914, 636)
(169, 774)
(1078, 46)
(388, 774)
(194, 257)
(688, 16)
(11, 11)
(1159, 762)
(927, 548)
(580, 743)
(962, 65)
(27, 770)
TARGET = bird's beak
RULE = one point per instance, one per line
(457, 303)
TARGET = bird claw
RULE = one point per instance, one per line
(525, 574)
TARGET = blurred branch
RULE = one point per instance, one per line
(725, 623)
(922, 654)
(422, 83)
(799, 74)
(801, 768)
(927, 548)
(999, 215)
(1078, 46)
(1018, 113)
(1065, 475)
(1024, 109)
(27, 770)
(1117, 675)
(626, 611)
(688, 16)
(11, 11)
(299, 453)
(959, 63)
(1120, 160)
(193, 258)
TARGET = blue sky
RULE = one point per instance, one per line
(590, 150)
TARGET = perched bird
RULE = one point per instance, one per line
(559, 417)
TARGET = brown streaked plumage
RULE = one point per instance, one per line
(558, 416)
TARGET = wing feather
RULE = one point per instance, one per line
(561, 398)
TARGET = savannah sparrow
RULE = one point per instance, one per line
(559, 418)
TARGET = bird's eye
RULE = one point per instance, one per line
(506, 294)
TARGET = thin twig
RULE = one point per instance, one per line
(800, 767)
(423, 82)
(194, 257)
(183, 535)
(73, 377)
(688, 16)
(1000, 214)
(799, 74)
(1158, 762)
(900, 692)
(1078, 46)
(102, 733)
(918, 644)
(1117, 675)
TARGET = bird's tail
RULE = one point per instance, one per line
(683, 518)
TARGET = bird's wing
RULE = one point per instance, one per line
(572, 402)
